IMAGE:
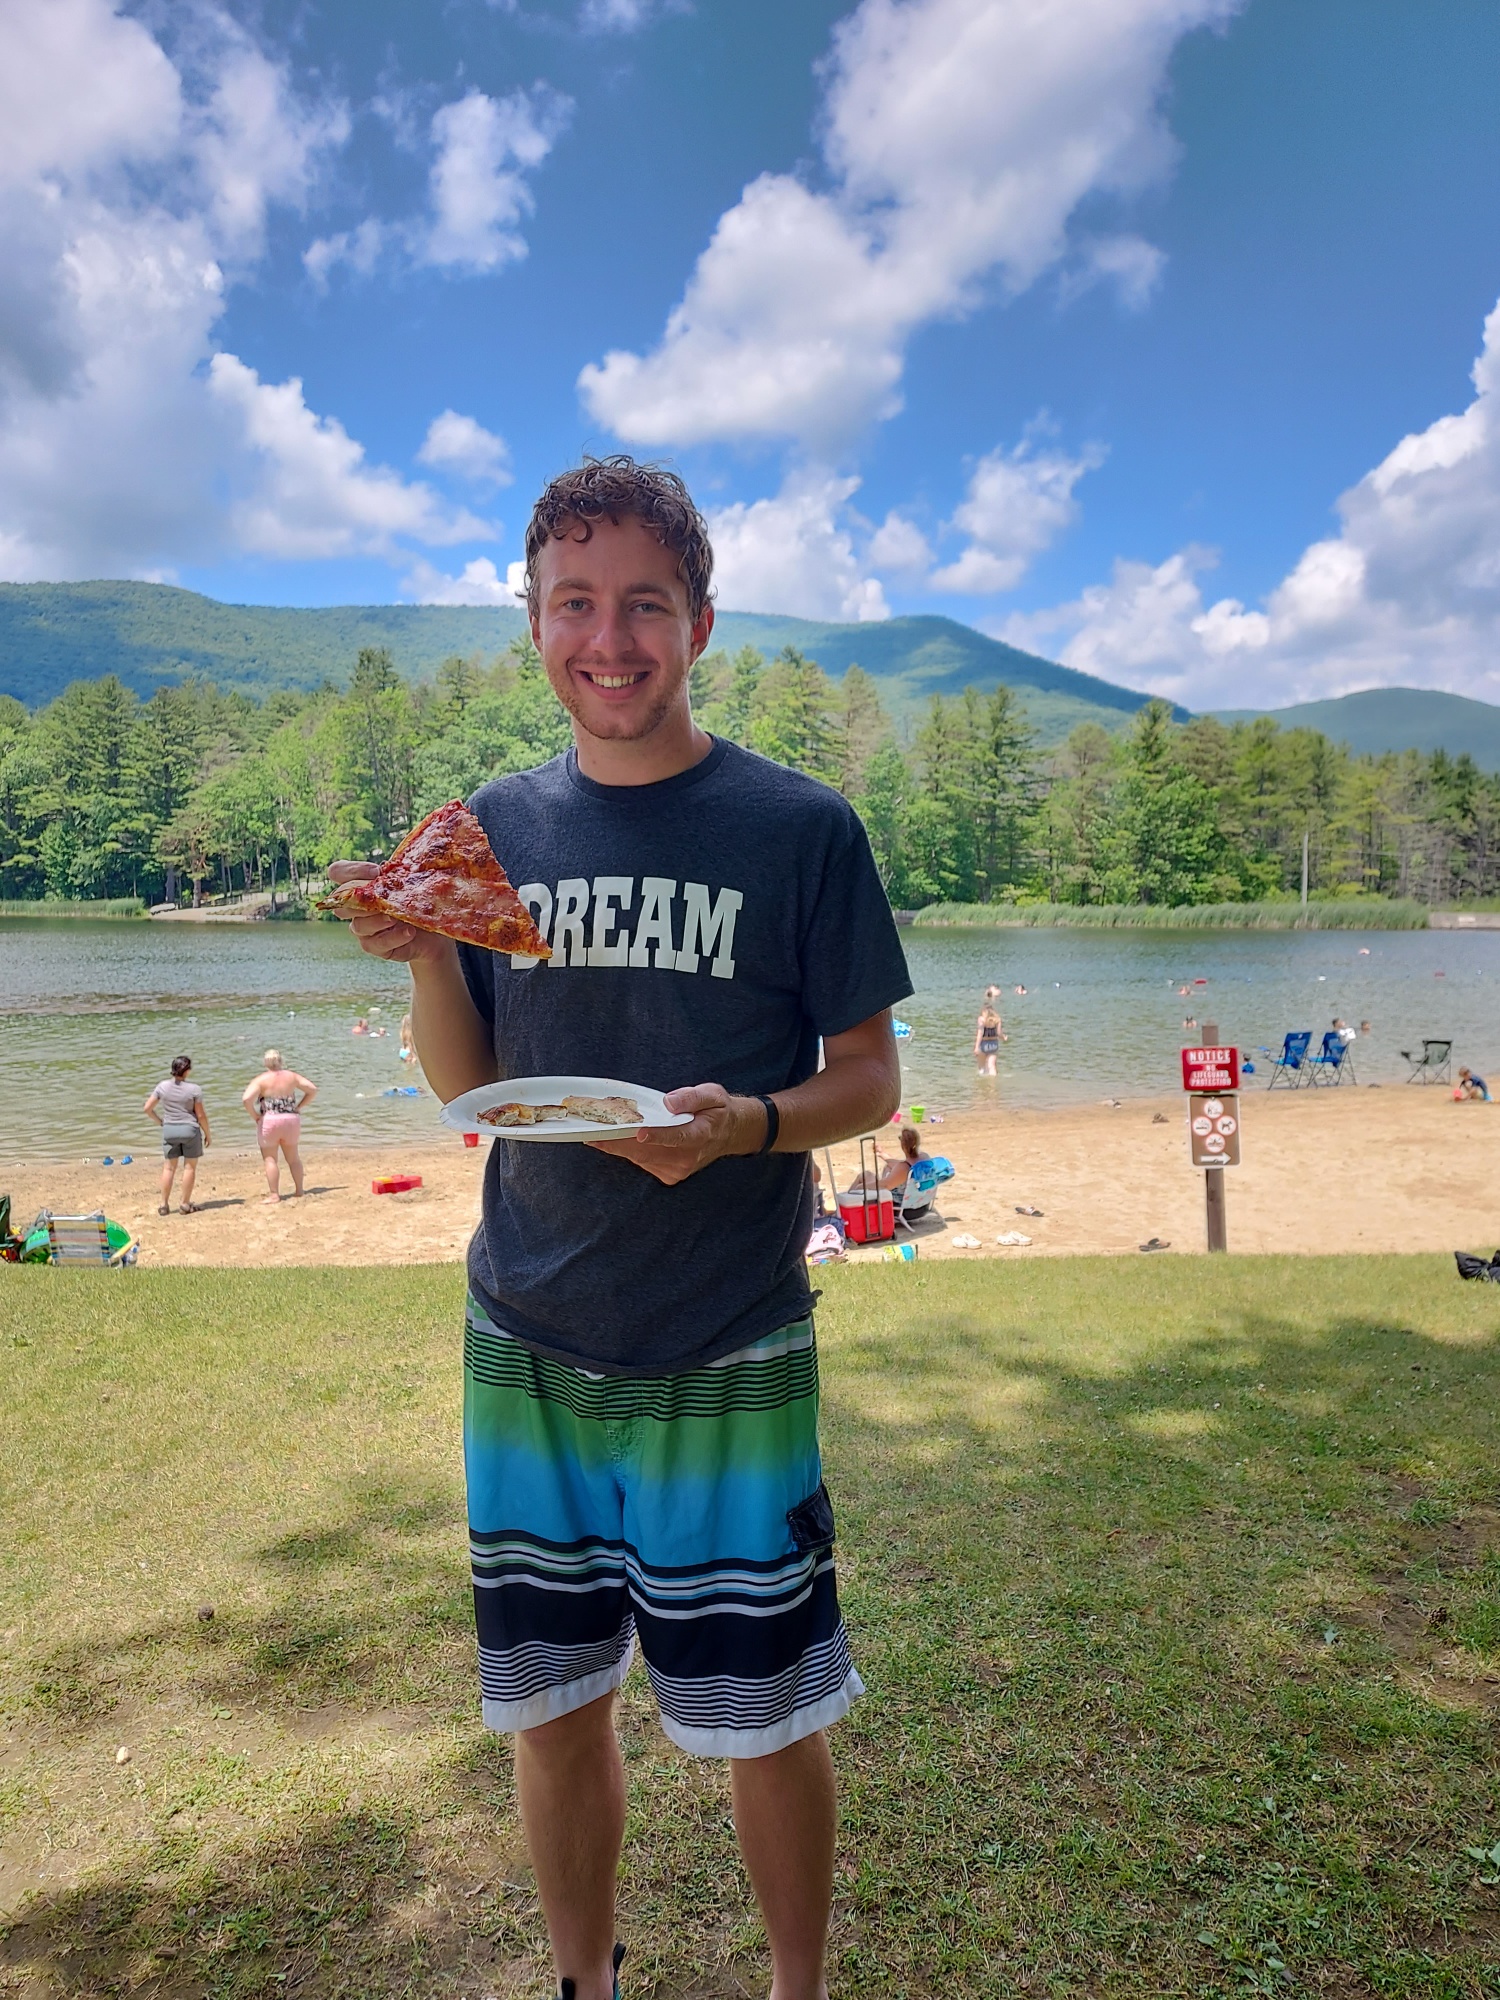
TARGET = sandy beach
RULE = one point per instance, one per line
(1393, 1169)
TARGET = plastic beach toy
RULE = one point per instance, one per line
(903, 1030)
(395, 1183)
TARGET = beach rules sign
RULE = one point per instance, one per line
(1210, 1069)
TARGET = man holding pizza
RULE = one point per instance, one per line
(640, 1375)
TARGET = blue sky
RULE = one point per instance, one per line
(1150, 334)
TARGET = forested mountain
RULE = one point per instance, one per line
(102, 794)
(1378, 719)
(151, 635)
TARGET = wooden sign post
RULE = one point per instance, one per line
(1211, 1076)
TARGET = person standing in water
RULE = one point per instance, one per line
(183, 1118)
(276, 1100)
(987, 1039)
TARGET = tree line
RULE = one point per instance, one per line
(201, 790)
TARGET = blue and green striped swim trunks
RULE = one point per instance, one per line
(686, 1511)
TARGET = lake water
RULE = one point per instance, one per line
(91, 1014)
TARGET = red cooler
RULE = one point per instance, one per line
(869, 1218)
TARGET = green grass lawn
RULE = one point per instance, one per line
(1176, 1585)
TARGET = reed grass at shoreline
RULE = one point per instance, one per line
(1342, 913)
(111, 908)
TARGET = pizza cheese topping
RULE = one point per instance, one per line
(444, 877)
(596, 1110)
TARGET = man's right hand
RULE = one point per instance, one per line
(384, 937)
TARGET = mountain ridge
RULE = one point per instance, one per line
(1376, 720)
(152, 633)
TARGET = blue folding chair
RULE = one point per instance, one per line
(919, 1192)
(1291, 1065)
(1333, 1062)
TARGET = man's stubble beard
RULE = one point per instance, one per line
(628, 730)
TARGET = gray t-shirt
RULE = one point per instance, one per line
(177, 1103)
(708, 929)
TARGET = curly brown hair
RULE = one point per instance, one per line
(613, 489)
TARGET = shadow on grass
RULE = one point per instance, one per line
(361, 1607)
(341, 1904)
(1137, 1722)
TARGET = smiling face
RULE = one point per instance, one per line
(616, 632)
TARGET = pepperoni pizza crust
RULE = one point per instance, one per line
(444, 877)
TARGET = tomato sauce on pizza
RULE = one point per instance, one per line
(444, 878)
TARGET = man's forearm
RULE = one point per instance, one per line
(453, 1043)
(853, 1094)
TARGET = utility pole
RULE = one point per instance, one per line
(1304, 874)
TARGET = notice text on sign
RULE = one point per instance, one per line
(1210, 1069)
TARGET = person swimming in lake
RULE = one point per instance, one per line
(988, 1035)
(276, 1100)
(361, 1026)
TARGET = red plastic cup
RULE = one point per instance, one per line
(471, 1138)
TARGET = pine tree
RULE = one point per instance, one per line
(792, 718)
(861, 727)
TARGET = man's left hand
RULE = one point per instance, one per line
(720, 1125)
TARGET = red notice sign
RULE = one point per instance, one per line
(1210, 1069)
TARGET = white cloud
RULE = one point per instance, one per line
(460, 444)
(1018, 503)
(478, 195)
(616, 17)
(959, 138)
(791, 554)
(135, 188)
(1130, 263)
(360, 248)
(310, 491)
(478, 583)
(1407, 593)
(899, 547)
(256, 142)
(484, 147)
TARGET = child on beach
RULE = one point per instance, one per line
(988, 1036)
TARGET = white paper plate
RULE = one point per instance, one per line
(463, 1112)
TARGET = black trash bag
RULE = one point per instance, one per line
(1486, 1271)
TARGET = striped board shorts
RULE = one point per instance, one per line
(685, 1510)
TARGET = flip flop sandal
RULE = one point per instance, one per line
(1155, 1244)
(188, 1208)
(164, 1211)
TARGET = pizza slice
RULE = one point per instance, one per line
(444, 877)
(603, 1110)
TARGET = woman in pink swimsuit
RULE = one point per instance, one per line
(276, 1100)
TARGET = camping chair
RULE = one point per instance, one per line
(918, 1194)
(1333, 1062)
(78, 1239)
(1290, 1064)
(1432, 1065)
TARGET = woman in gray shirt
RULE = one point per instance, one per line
(177, 1106)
